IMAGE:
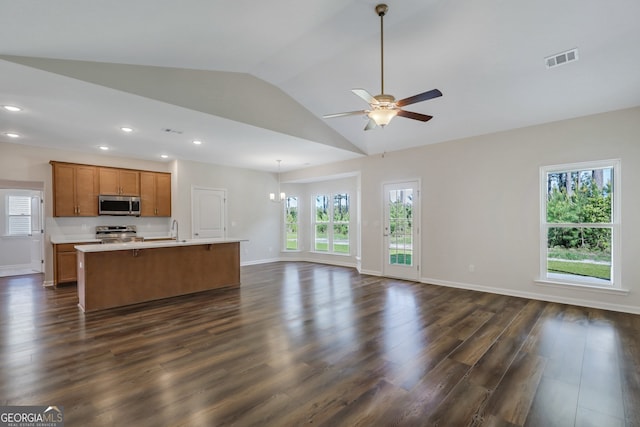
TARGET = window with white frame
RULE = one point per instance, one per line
(580, 223)
(331, 223)
(291, 224)
(18, 215)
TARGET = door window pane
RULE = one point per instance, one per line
(400, 226)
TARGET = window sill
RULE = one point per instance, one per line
(329, 253)
(582, 286)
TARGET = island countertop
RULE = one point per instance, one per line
(106, 247)
(118, 274)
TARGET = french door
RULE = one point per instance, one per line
(401, 229)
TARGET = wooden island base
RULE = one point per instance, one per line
(116, 278)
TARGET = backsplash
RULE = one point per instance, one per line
(85, 227)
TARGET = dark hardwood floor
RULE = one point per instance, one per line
(307, 344)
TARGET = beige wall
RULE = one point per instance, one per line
(480, 201)
(480, 204)
(250, 214)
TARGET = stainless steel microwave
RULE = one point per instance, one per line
(119, 205)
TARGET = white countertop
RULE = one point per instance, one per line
(106, 247)
(57, 240)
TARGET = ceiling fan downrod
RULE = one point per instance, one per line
(381, 10)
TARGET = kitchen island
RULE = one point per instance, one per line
(118, 274)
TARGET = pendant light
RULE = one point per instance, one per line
(272, 196)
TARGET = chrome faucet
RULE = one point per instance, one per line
(174, 224)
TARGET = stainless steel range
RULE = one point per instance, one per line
(117, 233)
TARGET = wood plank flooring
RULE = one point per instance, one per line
(308, 344)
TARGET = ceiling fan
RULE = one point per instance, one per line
(384, 107)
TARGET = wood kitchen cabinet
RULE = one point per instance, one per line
(155, 194)
(119, 182)
(75, 189)
(65, 263)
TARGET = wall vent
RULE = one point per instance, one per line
(561, 58)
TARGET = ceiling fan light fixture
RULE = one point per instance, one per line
(384, 107)
(383, 116)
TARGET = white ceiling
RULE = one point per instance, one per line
(253, 79)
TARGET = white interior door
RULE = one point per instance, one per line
(209, 213)
(401, 230)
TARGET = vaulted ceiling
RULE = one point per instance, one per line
(252, 80)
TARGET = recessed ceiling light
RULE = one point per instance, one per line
(164, 156)
(12, 135)
(12, 108)
(197, 142)
(126, 129)
(103, 147)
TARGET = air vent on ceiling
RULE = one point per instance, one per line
(169, 130)
(561, 58)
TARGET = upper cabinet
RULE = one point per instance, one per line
(155, 194)
(75, 189)
(119, 182)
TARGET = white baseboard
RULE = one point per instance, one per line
(534, 295)
(472, 287)
(371, 272)
(47, 283)
(299, 259)
(320, 261)
(260, 261)
(27, 268)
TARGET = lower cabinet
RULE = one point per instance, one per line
(65, 269)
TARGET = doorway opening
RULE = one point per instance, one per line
(21, 229)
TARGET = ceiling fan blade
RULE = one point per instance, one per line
(434, 93)
(414, 116)
(370, 125)
(349, 113)
(366, 96)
